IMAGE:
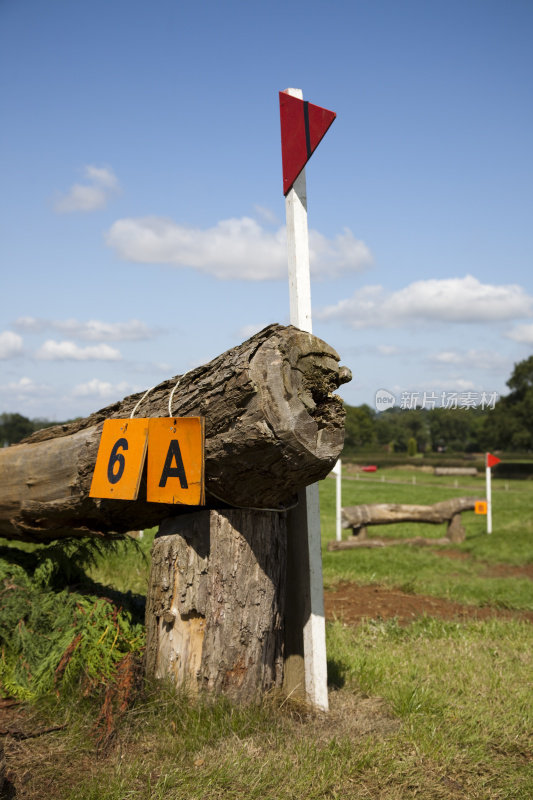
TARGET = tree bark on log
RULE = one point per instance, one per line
(216, 602)
(272, 423)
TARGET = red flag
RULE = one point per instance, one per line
(303, 126)
(491, 460)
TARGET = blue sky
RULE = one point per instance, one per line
(142, 211)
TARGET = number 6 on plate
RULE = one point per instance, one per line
(120, 459)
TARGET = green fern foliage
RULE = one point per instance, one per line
(56, 633)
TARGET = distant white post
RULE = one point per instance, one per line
(314, 633)
(337, 471)
(488, 490)
(490, 461)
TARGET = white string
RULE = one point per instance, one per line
(171, 396)
(140, 401)
(245, 508)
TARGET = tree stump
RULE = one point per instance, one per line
(214, 617)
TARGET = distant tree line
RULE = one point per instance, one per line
(14, 427)
(508, 426)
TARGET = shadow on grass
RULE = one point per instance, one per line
(336, 673)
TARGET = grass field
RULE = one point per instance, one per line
(420, 569)
(435, 709)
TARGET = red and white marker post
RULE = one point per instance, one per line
(302, 127)
(490, 461)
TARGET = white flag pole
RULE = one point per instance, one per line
(314, 632)
(337, 471)
(488, 478)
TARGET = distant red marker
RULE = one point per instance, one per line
(492, 460)
(303, 126)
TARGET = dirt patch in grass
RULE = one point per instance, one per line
(508, 571)
(494, 570)
(352, 604)
(456, 555)
(351, 715)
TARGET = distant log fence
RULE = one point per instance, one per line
(359, 518)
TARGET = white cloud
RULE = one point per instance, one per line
(92, 331)
(92, 195)
(69, 351)
(10, 345)
(31, 324)
(472, 359)
(103, 176)
(232, 249)
(97, 331)
(344, 253)
(22, 386)
(522, 334)
(387, 350)
(102, 389)
(457, 384)
(266, 214)
(24, 393)
(457, 300)
(249, 330)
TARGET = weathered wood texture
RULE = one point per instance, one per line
(273, 425)
(359, 517)
(216, 602)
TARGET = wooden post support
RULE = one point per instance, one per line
(304, 564)
(216, 594)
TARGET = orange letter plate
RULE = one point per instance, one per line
(176, 460)
(120, 459)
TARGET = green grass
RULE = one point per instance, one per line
(455, 715)
(127, 569)
(421, 569)
(436, 710)
(463, 691)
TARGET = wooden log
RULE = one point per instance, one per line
(358, 517)
(216, 602)
(386, 513)
(272, 426)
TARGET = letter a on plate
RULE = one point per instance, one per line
(120, 459)
(176, 461)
